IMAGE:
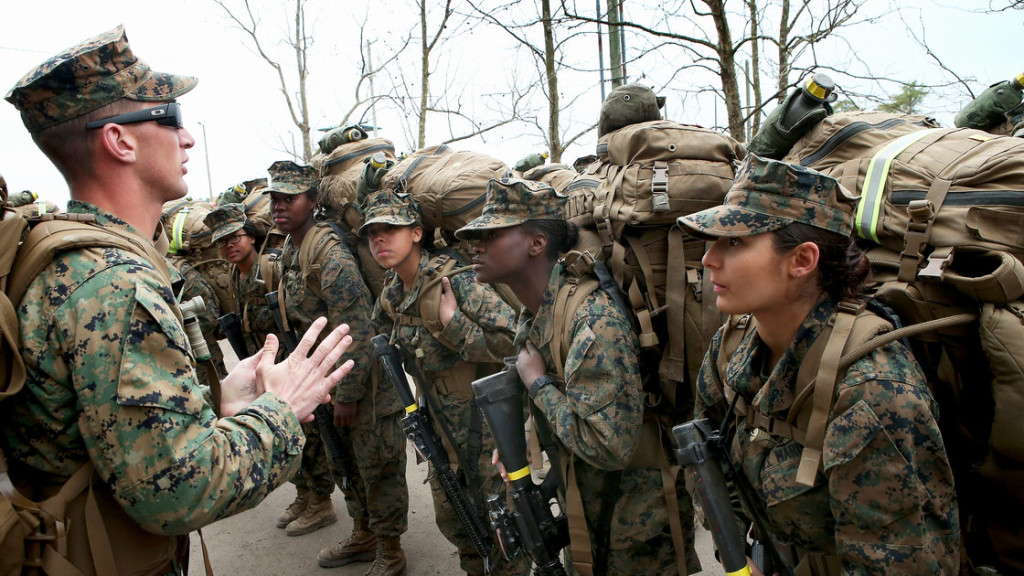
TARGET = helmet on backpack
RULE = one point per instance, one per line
(629, 104)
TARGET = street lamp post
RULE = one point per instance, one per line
(206, 151)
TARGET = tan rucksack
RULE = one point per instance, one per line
(941, 215)
(449, 187)
(626, 204)
(37, 533)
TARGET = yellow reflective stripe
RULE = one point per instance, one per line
(411, 408)
(871, 195)
(815, 90)
(521, 473)
(178, 229)
(1020, 78)
(745, 571)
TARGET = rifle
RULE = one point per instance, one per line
(323, 415)
(231, 326)
(530, 526)
(427, 442)
(702, 451)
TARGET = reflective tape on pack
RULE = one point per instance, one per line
(872, 194)
(178, 229)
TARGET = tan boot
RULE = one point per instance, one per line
(390, 559)
(361, 546)
(295, 508)
(317, 514)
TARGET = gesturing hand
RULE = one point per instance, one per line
(305, 381)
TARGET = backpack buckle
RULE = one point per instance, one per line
(938, 261)
(659, 187)
(578, 264)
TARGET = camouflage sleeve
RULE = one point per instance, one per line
(599, 415)
(348, 302)
(890, 484)
(172, 465)
(710, 400)
(484, 325)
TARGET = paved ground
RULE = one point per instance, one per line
(249, 544)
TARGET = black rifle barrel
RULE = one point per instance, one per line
(427, 442)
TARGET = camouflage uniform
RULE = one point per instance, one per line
(471, 345)
(376, 440)
(597, 413)
(882, 501)
(111, 381)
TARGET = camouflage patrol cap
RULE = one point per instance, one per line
(225, 221)
(511, 202)
(386, 207)
(628, 104)
(88, 76)
(768, 195)
(287, 177)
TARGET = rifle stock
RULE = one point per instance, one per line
(231, 326)
(427, 442)
(530, 526)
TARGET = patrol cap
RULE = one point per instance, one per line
(387, 207)
(768, 195)
(225, 220)
(86, 77)
(628, 104)
(287, 177)
(512, 201)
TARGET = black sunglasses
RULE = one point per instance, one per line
(165, 115)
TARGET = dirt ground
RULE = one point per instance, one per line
(249, 544)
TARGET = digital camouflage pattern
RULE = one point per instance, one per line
(597, 416)
(287, 177)
(768, 195)
(511, 201)
(86, 77)
(225, 220)
(111, 380)
(251, 294)
(883, 501)
(386, 207)
(472, 344)
(628, 104)
(333, 287)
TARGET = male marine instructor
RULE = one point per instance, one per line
(111, 382)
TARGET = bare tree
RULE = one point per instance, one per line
(704, 36)
(293, 89)
(539, 34)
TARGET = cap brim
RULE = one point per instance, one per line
(729, 222)
(486, 222)
(385, 220)
(162, 87)
(227, 230)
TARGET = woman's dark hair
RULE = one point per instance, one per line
(843, 269)
(562, 235)
(250, 229)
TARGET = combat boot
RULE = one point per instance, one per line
(361, 546)
(294, 510)
(317, 514)
(390, 559)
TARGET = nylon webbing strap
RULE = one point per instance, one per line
(824, 390)
(579, 536)
(873, 191)
(677, 288)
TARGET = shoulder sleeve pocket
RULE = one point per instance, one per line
(156, 363)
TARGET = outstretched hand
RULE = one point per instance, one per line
(304, 381)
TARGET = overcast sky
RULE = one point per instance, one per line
(237, 114)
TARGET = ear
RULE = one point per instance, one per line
(803, 260)
(117, 142)
(538, 244)
(417, 233)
